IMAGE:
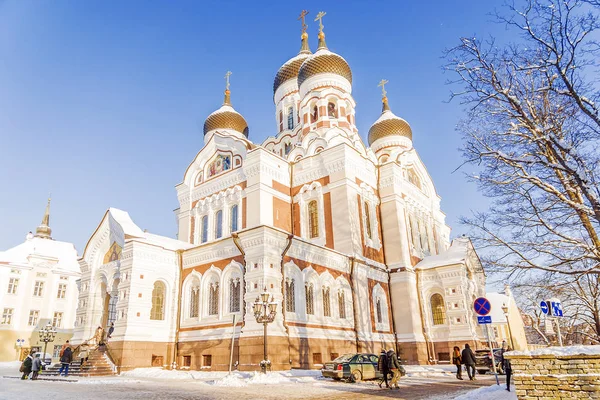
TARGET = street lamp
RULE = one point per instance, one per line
(505, 311)
(47, 334)
(264, 312)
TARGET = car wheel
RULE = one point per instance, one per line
(356, 376)
(337, 379)
(481, 371)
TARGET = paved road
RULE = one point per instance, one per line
(120, 389)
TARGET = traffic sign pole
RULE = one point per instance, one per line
(492, 354)
(560, 343)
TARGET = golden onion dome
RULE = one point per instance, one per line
(322, 62)
(388, 124)
(290, 69)
(226, 118)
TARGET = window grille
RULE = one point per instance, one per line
(38, 289)
(437, 309)
(310, 305)
(33, 317)
(379, 316)
(213, 299)
(7, 315)
(194, 301)
(62, 291)
(13, 284)
(290, 301)
(342, 304)
(234, 295)
(313, 219)
(158, 301)
(290, 118)
(57, 319)
(326, 303)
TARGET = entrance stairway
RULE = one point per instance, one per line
(98, 364)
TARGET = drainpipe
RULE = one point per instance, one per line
(385, 263)
(419, 297)
(285, 325)
(352, 291)
(178, 315)
(236, 241)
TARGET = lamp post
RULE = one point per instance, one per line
(264, 312)
(47, 334)
(505, 311)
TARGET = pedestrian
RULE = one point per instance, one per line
(383, 367)
(456, 360)
(65, 361)
(111, 330)
(62, 349)
(26, 366)
(99, 336)
(84, 353)
(507, 369)
(468, 359)
(36, 366)
(394, 367)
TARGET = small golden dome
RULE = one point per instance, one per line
(388, 124)
(324, 61)
(290, 69)
(226, 118)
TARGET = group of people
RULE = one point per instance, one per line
(33, 363)
(467, 358)
(389, 364)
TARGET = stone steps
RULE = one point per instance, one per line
(97, 365)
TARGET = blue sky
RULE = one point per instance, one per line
(102, 102)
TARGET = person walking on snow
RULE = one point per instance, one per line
(394, 366)
(36, 366)
(507, 368)
(468, 359)
(26, 366)
(65, 361)
(456, 360)
(383, 367)
(111, 330)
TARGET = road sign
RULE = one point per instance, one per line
(556, 309)
(544, 307)
(487, 319)
(482, 306)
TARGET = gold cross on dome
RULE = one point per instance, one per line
(227, 75)
(303, 14)
(319, 17)
(382, 84)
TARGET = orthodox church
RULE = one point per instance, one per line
(347, 238)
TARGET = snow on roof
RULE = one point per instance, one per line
(123, 219)
(560, 351)
(166, 242)
(497, 300)
(388, 114)
(61, 255)
(456, 254)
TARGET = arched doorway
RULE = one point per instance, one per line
(109, 303)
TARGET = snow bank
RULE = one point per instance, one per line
(495, 392)
(429, 371)
(559, 351)
(157, 373)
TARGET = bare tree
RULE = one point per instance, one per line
(533, 130)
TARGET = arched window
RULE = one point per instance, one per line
(438, 310)
(158, 301)
(310, 304)
(290, 302)
(314, 116)
(219, 224)
(194, 301)
(332, 110)
(326, 302)
(342, 304)
(379, 316)
(234, 295)
(234, 218)
(213, 298)
(313, 219)
(287, 148)
(290, 118)
(204, 237)
(368, 220)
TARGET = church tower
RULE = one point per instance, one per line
(44, 231)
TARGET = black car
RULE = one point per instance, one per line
(483, 361)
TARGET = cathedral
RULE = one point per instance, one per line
(346, 237)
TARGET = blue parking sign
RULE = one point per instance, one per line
(556, 309)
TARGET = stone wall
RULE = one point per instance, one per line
(550, 376)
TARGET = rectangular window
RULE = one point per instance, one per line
(310, 309)
(38, 289)
(342, 304)
(7, 315)
(290, 302)
(187, 361)
(317, 359)
(219, 224)
(57, 319)
(56, 351)
(206, 361)
(62, 291)
(13, 283)
(326, 303)
(157, 361)
(33, 317)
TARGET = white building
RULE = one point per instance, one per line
(348, 238)
(37, 286)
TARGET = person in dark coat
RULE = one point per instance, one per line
(383, 367)
(65, 361)
(468, 359)
(26, 366)
(111, 330)
(394, 366)
(457, 360)
(36, 366)
(507, 368)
